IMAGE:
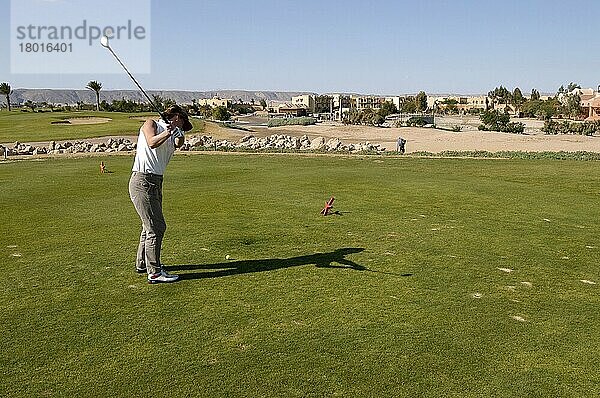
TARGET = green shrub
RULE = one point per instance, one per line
(565, 127)
(495, 121)
(514, 127)
(294, 121)
(416, 121)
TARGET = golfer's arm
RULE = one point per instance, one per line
(153, 139)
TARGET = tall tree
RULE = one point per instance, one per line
(500, 95)
(517, 98)
(571, 105)
(535, 95)
(421, 101)
(572, 86)
(409, 105)
(387, 108)
(6, 90)
(95, 87)
(570, 101)
(220, 113)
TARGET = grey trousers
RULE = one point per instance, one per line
(145, 191)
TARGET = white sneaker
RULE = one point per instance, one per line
(162, 277)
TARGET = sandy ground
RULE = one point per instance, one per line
(431, 140)
(418, 139)
(89, 120)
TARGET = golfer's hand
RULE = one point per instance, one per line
(177, 132)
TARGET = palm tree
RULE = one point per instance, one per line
(95, 87)
(6, 90)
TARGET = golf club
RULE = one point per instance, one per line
(104, 42)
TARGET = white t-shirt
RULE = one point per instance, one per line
(153, 160)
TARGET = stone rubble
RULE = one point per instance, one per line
(275, 142)
(280, 142)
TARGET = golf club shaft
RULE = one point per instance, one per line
(163, 117)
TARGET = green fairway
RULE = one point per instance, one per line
(437, 278)
(47, 126)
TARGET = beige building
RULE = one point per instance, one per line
(589, 101)
(292, 110)
(307, 101)
(463, 103)
(590, 104)
(214, 102)
(361, 102)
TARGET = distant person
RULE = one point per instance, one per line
(400, 145)
(155, 147)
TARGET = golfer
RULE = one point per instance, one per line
(155, 146)
(400, 145)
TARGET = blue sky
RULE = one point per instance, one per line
(380, 47)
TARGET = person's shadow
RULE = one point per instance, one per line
(229, 268)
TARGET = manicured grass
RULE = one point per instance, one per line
(34, 127)
(401, 294)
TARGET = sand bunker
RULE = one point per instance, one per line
(89, 120)
(83, 120)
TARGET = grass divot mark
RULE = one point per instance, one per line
(587, 282)
(507, 270)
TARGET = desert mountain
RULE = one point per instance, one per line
(71, 97)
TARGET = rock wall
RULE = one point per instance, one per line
(247, 143)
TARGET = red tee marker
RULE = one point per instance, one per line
(328, 206)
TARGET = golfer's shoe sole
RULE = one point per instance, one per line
(162, 277)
